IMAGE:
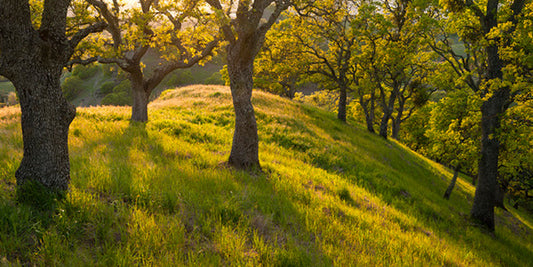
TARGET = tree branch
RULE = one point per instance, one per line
(161, 71)
(226, 28)
(82, 34)
(80, 61)
(111, 19)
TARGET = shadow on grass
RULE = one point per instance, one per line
(225, 216)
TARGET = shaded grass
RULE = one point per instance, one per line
(159, 194)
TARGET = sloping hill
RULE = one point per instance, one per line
(160, 194)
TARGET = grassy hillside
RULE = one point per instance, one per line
(160, 194)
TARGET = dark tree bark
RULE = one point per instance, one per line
(245, 147)
(33, 60)
(141, 95)
(245, 36)
(341, 114)
(491, 111)
(368, 109)
(368, 106)
(452, 182)
(387, 107)
(396, 122)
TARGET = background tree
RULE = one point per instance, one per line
(454, 133)
(180, 31)
(244, 29)
(35, 45)
(323, 30)
(515, 170)
(280, 67)
(399, 62)
(483, 25)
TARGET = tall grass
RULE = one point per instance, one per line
(160, 194)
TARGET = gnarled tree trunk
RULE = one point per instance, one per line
(33, 60)
(46, 117)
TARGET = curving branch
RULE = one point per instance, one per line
(226, 29)
(111, 19)
(163, 70)
(281, 5)
(80, 35)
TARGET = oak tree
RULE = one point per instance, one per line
(244, 28)
(180, 32)
(35, 46)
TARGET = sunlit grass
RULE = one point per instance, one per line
(160, 194)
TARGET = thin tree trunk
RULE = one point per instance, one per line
(341, 115)
(387, 113)
(397, 121)
(372, 115)
(368, 109)
(396, 127)
(452, 182)
(245, 147)
(369, 122)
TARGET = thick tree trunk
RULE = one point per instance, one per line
(485, 197)
(46, 117)
(139, 109)
(452, 182)
(245, 147)
(341, 115)
(491, 110)
(33, 61)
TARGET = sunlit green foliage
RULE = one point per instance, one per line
(160, 194)
(454, 130)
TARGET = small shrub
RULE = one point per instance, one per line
(85, 72)
(124, 86)
(106, 88)
(215, 78)
(117, 99)
(72, 87)
(109, 70)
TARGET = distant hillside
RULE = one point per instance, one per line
(330, 194)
